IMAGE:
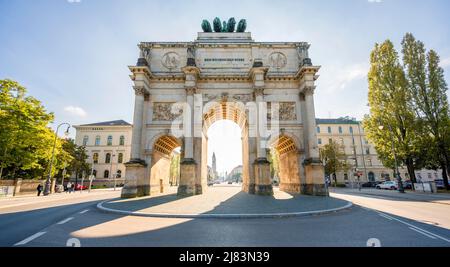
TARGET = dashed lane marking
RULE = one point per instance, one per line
(65, 220)
(29, 239)
(84, 211)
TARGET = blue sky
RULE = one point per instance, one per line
(73, 56)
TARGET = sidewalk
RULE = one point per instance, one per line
(8, 202)
(414, 196)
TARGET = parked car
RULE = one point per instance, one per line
(230, 182)
(370, 184)
(79, 187)
(407, 185)
(440, 184)
(387, 185)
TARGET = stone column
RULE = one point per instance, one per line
(315, 175)
(138, 124)
(263, 181)
(189, 139)
(189, 182)
(313, 147)
(135, 181)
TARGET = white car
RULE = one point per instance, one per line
(388, 185)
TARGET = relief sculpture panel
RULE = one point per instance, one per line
(287, 111)
(165, 111)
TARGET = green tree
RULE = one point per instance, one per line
(390, 107)
(335, 160)
(175, 167)
(25, 139)
(77, 161)
(274, 159)
(429, 98)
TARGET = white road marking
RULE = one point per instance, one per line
(29, 239)
(420, 232)
(84, 211)
(65, 221)
(385, 216)
(417, 228)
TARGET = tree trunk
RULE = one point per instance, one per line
(445, 175)
(411, 170)
(445, 165)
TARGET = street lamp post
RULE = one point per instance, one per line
(397, 172)
(48, 183)
(110, 170)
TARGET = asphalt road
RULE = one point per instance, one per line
(23, 217)
(81, 224)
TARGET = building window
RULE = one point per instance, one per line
(94, 173)
(330, 141)
(320, 141)
(110, 139)
(345, 176)
(106, 174)
(351, 129)
(369, 162)
(119, 174)
(122, 140)
(95, 158)
(120, 159)
(366, 141)
(85, 140)
(371, 177)
(108, 158)
(368, 151)
(329, 130)
(97, 140)
(318, 129)
(340, 129)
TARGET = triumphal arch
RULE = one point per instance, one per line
(182, 88)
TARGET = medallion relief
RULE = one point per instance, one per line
(277, 60)
(171, 60)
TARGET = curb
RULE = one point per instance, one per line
(222, 216)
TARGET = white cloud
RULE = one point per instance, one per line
(338, 78)
(76, 111)
(445, 62)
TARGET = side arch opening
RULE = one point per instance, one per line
(285, 164)
(165, 160)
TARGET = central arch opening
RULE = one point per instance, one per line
(224, 157)
(226, 130)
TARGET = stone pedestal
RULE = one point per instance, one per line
(315, 179)
(188, 186)
(291, 188)
(17, 186)
(134, 184)
(263, 181)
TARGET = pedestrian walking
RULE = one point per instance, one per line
(39, 189)
(69, 187)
